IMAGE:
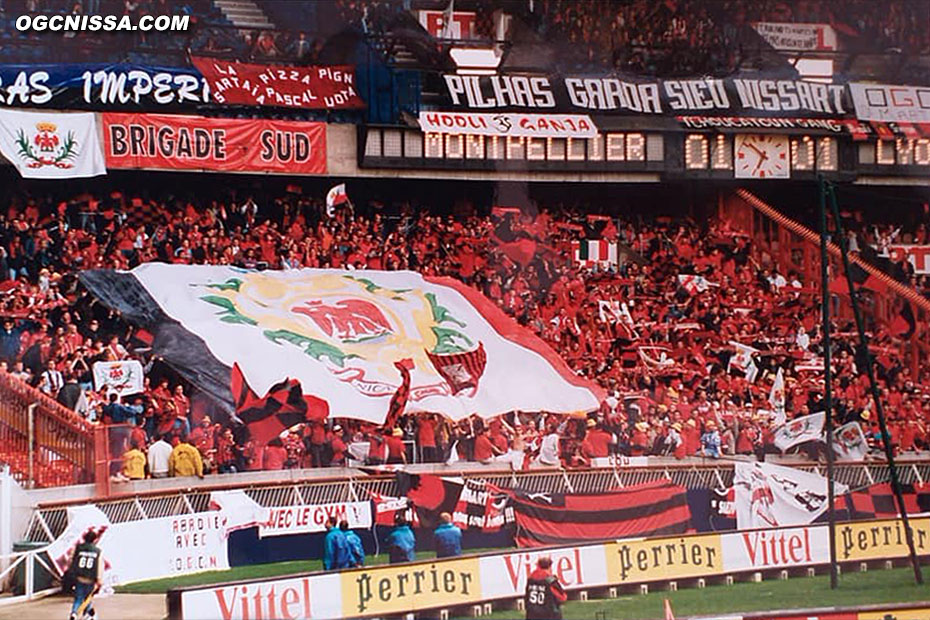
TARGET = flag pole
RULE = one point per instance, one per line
(866, 358)
(827, 379)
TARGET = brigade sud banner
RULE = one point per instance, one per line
(51, 145)
(314, 87)
(101, 85)
(340, 335)
(175, 142)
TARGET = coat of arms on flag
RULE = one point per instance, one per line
(51, 145)
(340, 336)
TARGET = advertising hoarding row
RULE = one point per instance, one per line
(379, 590)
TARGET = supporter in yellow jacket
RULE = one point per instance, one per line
(134, 461)
(185, 460)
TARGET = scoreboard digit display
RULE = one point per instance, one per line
(897, 156)
(666, 154)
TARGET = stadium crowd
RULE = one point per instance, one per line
(656, 331)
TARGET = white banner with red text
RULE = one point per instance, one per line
(505, 124)
(917, 255)
(797, 37)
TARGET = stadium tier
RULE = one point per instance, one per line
(635, 290)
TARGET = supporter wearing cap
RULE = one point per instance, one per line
(396, 450)
(596, 442)
(639, 443)
(710, 440)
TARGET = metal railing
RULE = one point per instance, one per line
(25, 576)
(44, 443)
(50, 520)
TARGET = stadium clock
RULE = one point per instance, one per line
(765, 156)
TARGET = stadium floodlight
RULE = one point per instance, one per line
(476, 60)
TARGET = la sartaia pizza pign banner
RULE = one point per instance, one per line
(343, 335)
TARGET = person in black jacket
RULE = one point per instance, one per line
(544, 593)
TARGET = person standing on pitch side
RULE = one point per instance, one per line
(87, 568)
(335, 547)
(544, 593)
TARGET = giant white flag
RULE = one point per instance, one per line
(51, 145)
(772, 496)
(340, 333)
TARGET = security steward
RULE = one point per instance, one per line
(544, 593)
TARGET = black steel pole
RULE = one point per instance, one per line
(827, 378)
(866, 358)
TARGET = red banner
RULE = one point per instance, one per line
(170, 142)
(331, 88)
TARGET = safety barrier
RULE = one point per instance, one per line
(25, 576)
(44, 443)
(469, 581)
(49, 520)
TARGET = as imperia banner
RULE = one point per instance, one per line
(169, 142)
(318, 87)
(51, 145)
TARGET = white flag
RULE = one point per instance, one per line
(800, 430)
(51, 145)
(334, 197)
(123, 377)
(342, 334)
(777, 397)
(694, 284)
(609, 311)
(849, 443)
(773, 496)
(742, 360)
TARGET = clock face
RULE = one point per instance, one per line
(761, 157)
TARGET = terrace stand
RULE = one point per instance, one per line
(866, 358)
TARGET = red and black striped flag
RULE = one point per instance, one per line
(432, 495)
(282, 407)
(877, 502)
(653, 509)
(482, 506)
(461, 370)
(402, 395)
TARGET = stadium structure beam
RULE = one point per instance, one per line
(866, 358)
(827, 377)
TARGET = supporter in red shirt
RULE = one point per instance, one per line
(396, 450)
(426, 438)
(338, 447)
(597, 441)
(274, 455)
(484, 449)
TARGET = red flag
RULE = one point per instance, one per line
(281, 408)
(461, 370)
(521, 252)
(399, 400)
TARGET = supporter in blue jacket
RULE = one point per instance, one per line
(401, 541)
(356, 550)
(335, 547)
(448, 538)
